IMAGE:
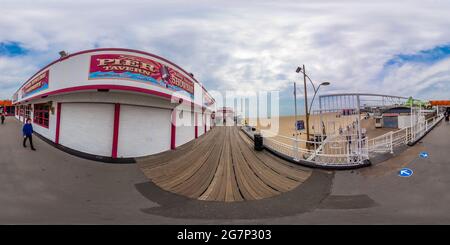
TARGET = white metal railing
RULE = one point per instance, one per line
(338, 150)
(387, 142)
(346, 148)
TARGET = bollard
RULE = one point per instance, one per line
(259, 146)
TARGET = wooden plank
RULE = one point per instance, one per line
(222, 166)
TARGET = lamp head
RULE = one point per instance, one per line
(63, 54)
(299, 69)
(325, 84)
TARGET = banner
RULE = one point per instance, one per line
(129, 67)
(38, 84)
(207, 100)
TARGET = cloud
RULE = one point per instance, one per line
(245, 45)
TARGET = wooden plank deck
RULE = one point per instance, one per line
(222, 166)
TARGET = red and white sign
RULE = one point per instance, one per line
(130, 67)
(38, 84)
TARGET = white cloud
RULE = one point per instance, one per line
(249, 45)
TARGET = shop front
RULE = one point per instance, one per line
(114, 105)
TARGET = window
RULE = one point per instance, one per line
(27, 111)
(41, 114)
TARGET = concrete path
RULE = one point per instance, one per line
(49, 186)
(377, 195)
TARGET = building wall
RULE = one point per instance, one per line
(143, 131)
(87, 121)
(185, 121)
(208, 121)
(201, 123)
(87, 127)
(390, 122)
(87, 118)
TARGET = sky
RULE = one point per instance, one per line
(390, 47)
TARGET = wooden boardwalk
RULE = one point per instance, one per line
(222, 166)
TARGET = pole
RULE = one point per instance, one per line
(358, 102)
(322, 133)
(306, 107)
(295, 124)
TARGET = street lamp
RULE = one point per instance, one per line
(308, 110)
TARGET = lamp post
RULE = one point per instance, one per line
(308, 110)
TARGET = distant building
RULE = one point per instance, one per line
(7, 107)
(396, 117)
(225, 116)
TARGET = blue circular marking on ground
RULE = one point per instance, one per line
(405, 172)
(423, 154)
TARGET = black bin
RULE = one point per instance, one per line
(259, 142)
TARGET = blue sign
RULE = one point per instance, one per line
(423, 154)
(405, 172)
(300, 125)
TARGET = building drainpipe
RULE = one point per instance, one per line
(115, 130)
(196, 124)
(58, 122)
(173, 130)
(204, 119)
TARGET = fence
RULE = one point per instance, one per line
(334, 150)
(344, 149)
(388, 141)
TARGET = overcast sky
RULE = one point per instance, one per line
(398, 48)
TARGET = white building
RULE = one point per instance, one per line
(225, 116)
(115, 104)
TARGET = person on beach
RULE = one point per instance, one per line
(3, 117)
(28, 134)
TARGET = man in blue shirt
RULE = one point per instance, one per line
(28, 134)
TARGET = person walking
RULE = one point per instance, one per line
(28, 134)
(3, 117)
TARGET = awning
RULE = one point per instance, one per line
(440, 102)
(5, 103)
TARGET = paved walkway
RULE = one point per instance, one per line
(377, 195)
(50, 186)
(222, 166)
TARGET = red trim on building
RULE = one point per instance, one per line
(58, 122)
(196, 124)
(116, 49)
(173, 130)
(110, 87)
(106, 86)
(116, 130)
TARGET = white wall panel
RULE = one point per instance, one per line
(201, 123)
(143, 131)
(87, 127)
(185, 131)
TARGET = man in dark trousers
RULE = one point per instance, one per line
(3, 117)
(28, 134)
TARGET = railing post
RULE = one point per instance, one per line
(296, 158)
(392, 145)
(406, 135)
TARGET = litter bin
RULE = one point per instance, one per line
(259, 142)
